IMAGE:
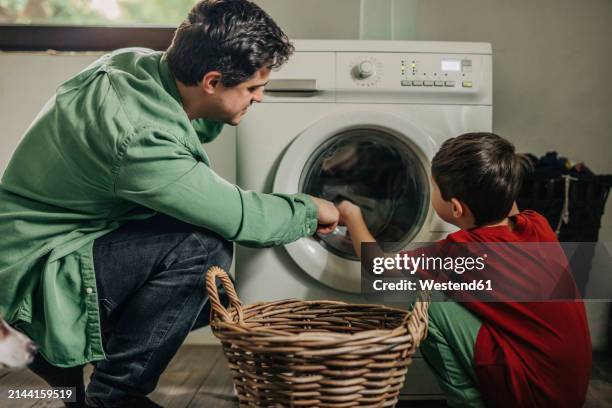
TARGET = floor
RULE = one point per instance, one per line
(198, 377)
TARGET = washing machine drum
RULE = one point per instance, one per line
(377, 171)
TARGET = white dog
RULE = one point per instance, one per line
(16, 350)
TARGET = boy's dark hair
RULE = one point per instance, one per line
(483, 171)
(234, 37)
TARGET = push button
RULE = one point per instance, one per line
(467, 84)
(406, 82)
(449, 83)
(428, 83)
(439, 83)
(417, 83)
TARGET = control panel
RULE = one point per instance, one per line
(411, 72)
(440, 72)
(366, 72)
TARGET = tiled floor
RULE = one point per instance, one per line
(199, 377)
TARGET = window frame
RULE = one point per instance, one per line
(26, 37)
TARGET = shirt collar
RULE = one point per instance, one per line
(168, 80)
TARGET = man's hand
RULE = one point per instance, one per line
(328, 215)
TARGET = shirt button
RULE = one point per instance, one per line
(89, 291)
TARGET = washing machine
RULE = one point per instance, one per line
(361, 121)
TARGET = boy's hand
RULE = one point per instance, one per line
(349, 212)
(328, 215)
(350, 215)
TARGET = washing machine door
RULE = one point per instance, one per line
(376, 160)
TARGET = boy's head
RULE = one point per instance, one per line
(477, 177)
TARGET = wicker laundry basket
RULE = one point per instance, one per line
(294, 353)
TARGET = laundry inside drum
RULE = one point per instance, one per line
(381, 173)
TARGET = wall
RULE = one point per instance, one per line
(320, 19)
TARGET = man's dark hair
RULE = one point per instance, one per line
(234, 37)
(483, 171)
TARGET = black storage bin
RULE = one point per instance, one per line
(573, 204)
(545, 192)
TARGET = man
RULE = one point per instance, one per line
(110, 214)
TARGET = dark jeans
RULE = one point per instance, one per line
(151, 288)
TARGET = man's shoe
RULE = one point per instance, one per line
(127, 402)
(71, 377)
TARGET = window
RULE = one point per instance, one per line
(94, 12)
(89, 25)
(103, 25)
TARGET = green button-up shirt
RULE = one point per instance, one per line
(113, 145)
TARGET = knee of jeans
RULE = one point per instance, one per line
(220, 251)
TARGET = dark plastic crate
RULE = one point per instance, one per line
(545, 192)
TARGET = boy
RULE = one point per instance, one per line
(507, 354)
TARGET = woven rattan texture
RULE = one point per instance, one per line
(294, 353)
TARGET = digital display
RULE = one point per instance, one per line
(451, 65)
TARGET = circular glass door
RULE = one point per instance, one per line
(380, 173)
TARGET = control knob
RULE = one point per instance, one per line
(365, 69)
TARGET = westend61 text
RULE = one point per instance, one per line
(430, 284)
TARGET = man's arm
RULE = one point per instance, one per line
(159, 173)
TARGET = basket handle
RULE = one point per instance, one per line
(418, 320)
(211, 286)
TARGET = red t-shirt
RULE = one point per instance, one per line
(528, 354)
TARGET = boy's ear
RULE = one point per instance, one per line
(457, 208)
(210, 81)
